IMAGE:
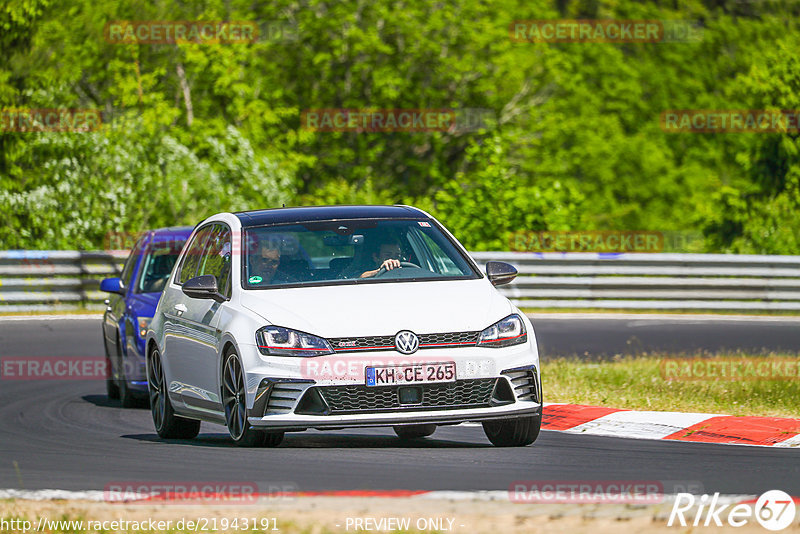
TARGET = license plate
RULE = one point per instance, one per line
(418, 373)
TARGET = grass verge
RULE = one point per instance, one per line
(636, 383)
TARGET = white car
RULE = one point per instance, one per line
(331, 317)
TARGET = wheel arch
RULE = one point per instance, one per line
(228, 343)
(149, 347)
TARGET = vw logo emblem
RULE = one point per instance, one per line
(406, 342)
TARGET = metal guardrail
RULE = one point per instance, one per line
(738, 282)
(42, 280)
(63, 280)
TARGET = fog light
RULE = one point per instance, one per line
(410, 395)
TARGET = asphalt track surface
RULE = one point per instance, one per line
(602, 337)
(67, 435)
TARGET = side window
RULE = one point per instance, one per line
(443, 264)
(193, 254)
(216, 258)
(130, 263)
(156, 266)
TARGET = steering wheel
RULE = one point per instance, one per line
(383, 270)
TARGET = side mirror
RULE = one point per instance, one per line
(500, 273)
(203, 287)
(112, 285)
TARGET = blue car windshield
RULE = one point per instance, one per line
(157, 265)
(350, 251)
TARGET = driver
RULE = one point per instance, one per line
(384, 257)
(264, 264)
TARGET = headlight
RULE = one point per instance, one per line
(505, 333)
(279, 341)
(144, 324)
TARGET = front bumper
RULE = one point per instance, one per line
(493, 384)
(452, 416)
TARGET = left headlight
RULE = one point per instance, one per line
(144, 324)
(279, 341)
(504, 333)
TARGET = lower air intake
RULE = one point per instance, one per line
(475, 393)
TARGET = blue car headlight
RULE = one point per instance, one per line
(279, 341)
(504, 333)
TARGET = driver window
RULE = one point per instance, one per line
(216, 258)
(192, 256)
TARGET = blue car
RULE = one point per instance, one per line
(129, 310)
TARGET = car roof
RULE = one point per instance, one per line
(326, 213)
(173, 232)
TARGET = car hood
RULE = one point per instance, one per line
(383, 308)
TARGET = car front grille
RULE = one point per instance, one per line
(475, 393)
(426, 341)
(352, 344)
(450, 338)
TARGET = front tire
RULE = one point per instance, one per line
(168, 425)
(513, 432)
(234, 401)
(414, 431)
(112, 390)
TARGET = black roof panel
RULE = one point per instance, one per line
(326, 213)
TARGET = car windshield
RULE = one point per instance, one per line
(350, 251)
(157, 265)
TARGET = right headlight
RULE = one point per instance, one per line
(504, 333)
(279, 341)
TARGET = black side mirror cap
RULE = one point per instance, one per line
(500, 273)
(203, 287)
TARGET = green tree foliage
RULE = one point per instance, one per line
(500, 202)
(574, 144)
(78, 188)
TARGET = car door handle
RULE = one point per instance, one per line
(180, 308)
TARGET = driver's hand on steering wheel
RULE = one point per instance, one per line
(390, 264)
(387, 265)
